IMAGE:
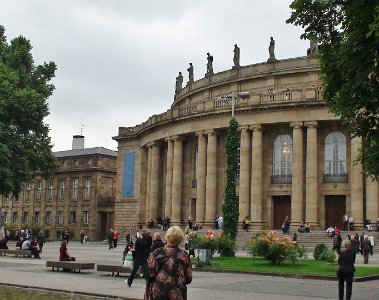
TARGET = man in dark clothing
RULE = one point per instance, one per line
(366, 247)
(354, 245)
(142, 250)
(346, 262)
(157, 243)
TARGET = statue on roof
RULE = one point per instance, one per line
(209, 65)
(179, 82)
(190, 74)
(313, 49)
(271, 51)
(236, 57)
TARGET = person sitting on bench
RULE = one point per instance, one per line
(63, 253)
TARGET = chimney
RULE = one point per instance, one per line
(77, 142)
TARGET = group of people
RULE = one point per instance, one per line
(160, 260)
(304, 227)
(348, 222)
(26, 241)
(112, 238)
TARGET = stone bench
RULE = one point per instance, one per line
(21, 253)
(70, 265)
(114, 269)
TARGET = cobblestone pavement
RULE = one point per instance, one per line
(33, 273)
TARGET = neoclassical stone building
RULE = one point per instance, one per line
(296, 159)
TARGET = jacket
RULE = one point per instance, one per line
(346, 261)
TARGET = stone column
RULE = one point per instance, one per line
(311, 181)
(256, 176)
(356, 184)
(148, 182)
(154, 185)
(372, 200)
(297, 174)
(244, 184)
(201, 173)
(210, 205)
(169, 165)
(177, 181)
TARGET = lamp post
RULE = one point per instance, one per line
(234, 96)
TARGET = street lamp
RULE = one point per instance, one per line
(234, 96)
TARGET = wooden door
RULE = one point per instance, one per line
(335, 208)
(282, 208)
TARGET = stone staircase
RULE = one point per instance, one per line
(309, 240)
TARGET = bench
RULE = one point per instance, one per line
(114, 269)
(69, 265)
(21, 253)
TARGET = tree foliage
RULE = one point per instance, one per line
(348, 33)
(25, 147)
(230, 208)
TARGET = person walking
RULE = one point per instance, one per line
(366, 248)
(346, 262)
(142, 250)
(169, 262)
(115, 238)
(110, 239)
(40, 241)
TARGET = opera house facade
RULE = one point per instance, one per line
(296, 159)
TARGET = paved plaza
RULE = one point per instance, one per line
(205, 285)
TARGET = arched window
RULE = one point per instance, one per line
(335, 153)
(282, 155)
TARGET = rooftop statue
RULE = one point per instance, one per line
(271, 51)
(190, 74)
(313, 49)
(209, 65)
(179, 82)
(236, 57)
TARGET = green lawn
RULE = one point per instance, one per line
(302, 266)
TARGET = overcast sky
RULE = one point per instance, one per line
(117, 60)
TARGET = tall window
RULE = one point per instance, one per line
(87, 188)
(48, 217)
(85, 217)
(62, 189)
(29, 186)
(14, 217)
(50, 190)
(25, 217)
(75, 185)
(335, 153)
(36, 217)
(60, 217)
(5, 217)
(72, 217)
(282, 155)
(38, 190)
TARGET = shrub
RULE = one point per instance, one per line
(273, 248)
(220, 243)
(319, 249)
(328, 256)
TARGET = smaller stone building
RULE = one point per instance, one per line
(80, 195)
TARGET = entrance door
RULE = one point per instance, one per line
(193, 208)
(103, 225)
(282, 208)
(335, 208)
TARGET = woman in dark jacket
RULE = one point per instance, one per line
(157, 243)
(346, 262)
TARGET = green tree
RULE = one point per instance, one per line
(230, 207)
(25, 147)
(348, 33)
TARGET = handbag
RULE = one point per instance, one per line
(128, 261)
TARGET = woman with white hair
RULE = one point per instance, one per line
(169, 269)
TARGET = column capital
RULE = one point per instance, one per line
(243, 129)
(150, 144)
(177, 138)
(168, 139)
(296, 125)
(200, 133)
(210, 132)
(256, 127)
(310, 124)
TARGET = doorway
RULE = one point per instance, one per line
(335, 208)
(282, 208)
(193, 208)
(103, 225)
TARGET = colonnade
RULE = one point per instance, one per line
(251, 177)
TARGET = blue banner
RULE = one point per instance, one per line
(128, 179)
